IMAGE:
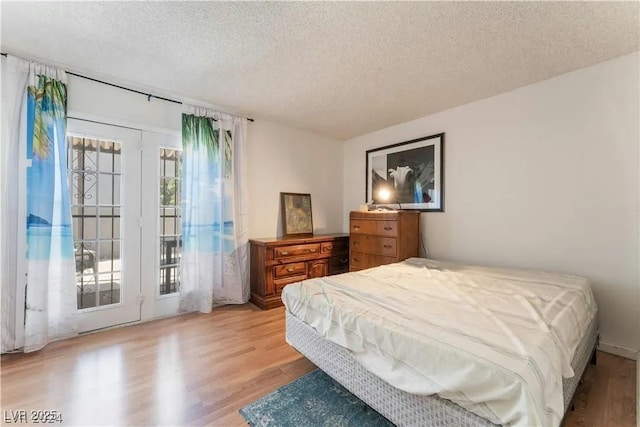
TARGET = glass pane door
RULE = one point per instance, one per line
(170, 217)
(104, 177)
(95, 176)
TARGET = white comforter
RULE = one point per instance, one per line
(496, 342)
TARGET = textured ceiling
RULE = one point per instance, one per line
(339, 69)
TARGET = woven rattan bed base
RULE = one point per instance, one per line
(401, 408)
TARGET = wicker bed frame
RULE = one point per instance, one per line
(399, 407)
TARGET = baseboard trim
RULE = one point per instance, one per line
(618, 350)
(638, 386)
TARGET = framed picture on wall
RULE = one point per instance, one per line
(296, 214)
(407, 175)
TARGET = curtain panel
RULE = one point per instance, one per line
(34, 126)
(214, 265)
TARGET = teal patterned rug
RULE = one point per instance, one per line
(313, 400)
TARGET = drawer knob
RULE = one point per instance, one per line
(356, 243)
(356, 227)
(344, 260)
(388, 228)
(284, 253)
(329, 247)
(386, 246)
(291, 270)
(356, 260)
(311, 250)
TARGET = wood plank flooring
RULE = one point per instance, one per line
(200, 369)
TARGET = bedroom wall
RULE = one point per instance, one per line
(91, 100)
(542, 177)
(284, 159)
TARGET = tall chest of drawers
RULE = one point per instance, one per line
(278, 262)
(382, 237)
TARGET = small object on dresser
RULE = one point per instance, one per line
(297, 217)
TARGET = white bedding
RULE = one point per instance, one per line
(496, 342)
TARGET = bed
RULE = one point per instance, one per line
(426, 342)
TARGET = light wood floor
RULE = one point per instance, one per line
(200, 369)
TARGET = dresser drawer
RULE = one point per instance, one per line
(376, 260)
(285, 252)
(378, 228)
(359, 260)
(374, 245)
(292, 269)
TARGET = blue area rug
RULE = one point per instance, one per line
(313, 400)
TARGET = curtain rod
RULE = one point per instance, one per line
(148, 95)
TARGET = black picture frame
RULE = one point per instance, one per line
(297, 215)
(411, 172)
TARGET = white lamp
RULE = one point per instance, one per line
(385, 195)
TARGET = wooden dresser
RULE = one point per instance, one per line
(382, 237)
(278, 262)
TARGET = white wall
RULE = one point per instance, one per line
(283, 159)
(543, 177)
(91, 100)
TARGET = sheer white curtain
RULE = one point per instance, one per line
(38, 291)
(13, 218)
(214, 265)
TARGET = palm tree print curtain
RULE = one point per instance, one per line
(214, 257)
(50, 300)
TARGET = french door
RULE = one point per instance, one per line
(103, 165)
(125, 191)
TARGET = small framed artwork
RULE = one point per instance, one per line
(407, 175)
(296, 214)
